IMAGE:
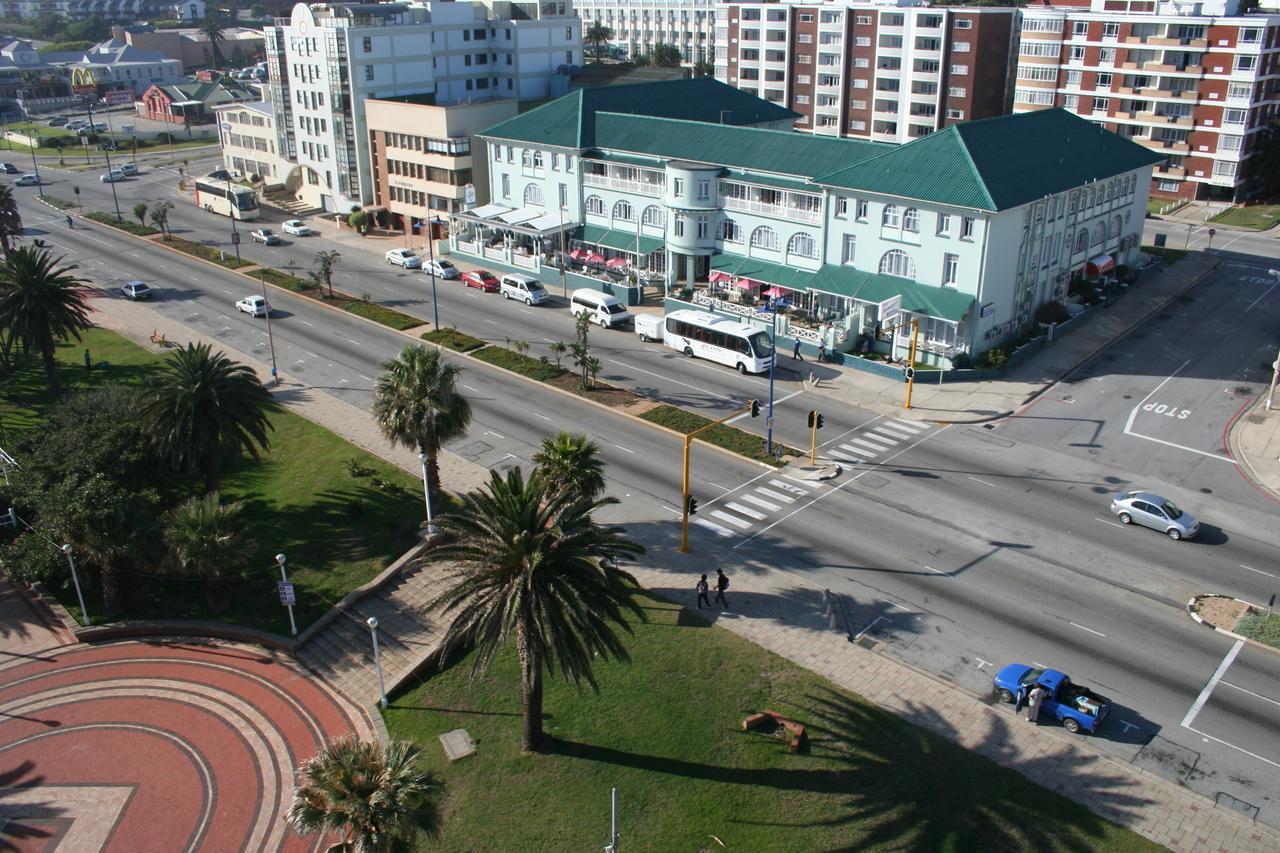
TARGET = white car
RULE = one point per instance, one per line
(112, 177)
(129, 169)
(296, 227)
(404, 258)
(136, 290)
(254, 306)
(28, 181)
(441, 268)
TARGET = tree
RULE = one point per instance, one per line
(10, 217)
(558, 349)
(581, 347)
(571, 463)
(325, 261)
(140, 211)
(59, 144)
(666, 55)
(48, 25)
(204, 409)
(533, 567)
(359, 220)
(238, 59)
(204, 539)
(211, 27)
(378, 798)
(160, 217)
(417, 405)
(598, 35)
(704, 68)
(41, 303)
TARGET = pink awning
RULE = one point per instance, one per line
(616, 263)
(578, 254)
(1101, 265)
(745, 283)
(777, 290)
(595, 258)
(717, 276)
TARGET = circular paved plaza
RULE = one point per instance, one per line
(158, 746)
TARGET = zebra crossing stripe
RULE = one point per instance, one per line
(906, 425)
(795, 490)
(880, 435)
(713, 527)
(759, 502)
(871, 436)
(747, 511)
(853, 453)
(895, 431)
(772, 494)
(867, 447)
(731, 519)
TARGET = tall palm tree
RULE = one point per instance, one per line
(532, 565)
(204, 409)
(211, 27)
(203, 538)
(376, 797)
(417, 404)
(570, 462)
(598, 35)
(324, 261)
(40, 303)
(10, 218)
(160, 217)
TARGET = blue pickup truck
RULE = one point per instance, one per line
(1079, 709)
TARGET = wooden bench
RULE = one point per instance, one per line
(158, 338)
(772, 719)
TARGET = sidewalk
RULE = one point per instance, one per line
(787, 619)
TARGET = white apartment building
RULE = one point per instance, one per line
(638, 25)
(1195, 83)
(247, 133)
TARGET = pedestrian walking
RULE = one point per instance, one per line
(702, 589)
(822, 350)
(88, 362)
(70, 224)
(795, 351)
(1037, 696)
(722, 583)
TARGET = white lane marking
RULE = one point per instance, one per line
(1108, 521)
(880, 435)
(787, 487)
(984, 482)
(365, 378)
(357, 343)
(1233, 746)
(776, 403)
(907, 425)
(544, 417)
(867, 447)
(1128, 427)
(747, 511)
(224, 290)
(1263, 296)
(312, 354)
(494, 434)
(1090, 630)
(1259, 571)
(1037, 663)
(712, 526)
(759, 502)
(1250, 692)
(1227, 660)
(772, 494)
(620, 447)
(305, 323)
(935, 571)
(668, 379)
(869, 627)
(731, 519)
(490, 322)
(472, 390)
(718, 486)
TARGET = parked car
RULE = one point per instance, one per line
(96, 127)
(8, 168)
(77, 124)
(482, 279)
(404, 258)
(1079, 709)
(58, 121)
(27, 181)
(526, 288)
(254, 306)
(1151, 510)
(130, 169)
(265, 235)
(441, 269)
(107, 146)
(600, 307)
(112, 177)
(297, 228)
(136, 290)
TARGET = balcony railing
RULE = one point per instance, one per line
(604, 181)
(778, 211)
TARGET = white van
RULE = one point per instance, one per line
(526, 288)
(600, 307)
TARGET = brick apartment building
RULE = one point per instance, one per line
(890, 73)
(1195, 82)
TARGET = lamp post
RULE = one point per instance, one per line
(426, 494)
(435, 306)
(284, 578)
(88, 105)
(1275, 366)
(235, 236)
(75, 579)
(776, 303)
(275, 377)
(372, 622)
(34, 164)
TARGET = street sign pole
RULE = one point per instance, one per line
(287, 597)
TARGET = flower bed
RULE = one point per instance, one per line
(122, 224)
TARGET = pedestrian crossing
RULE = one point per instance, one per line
(768, 499)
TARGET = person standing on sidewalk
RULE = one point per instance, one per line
(1033, 703)
(795, 351)
(722, 583)
(822, 350)
(703, 589)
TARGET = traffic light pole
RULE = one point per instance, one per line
(815, 424)
(688, 505)
(911, 361)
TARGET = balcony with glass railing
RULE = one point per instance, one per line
(648, 182)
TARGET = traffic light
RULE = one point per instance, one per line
(813, 415)
(819, 425)
(693, 505)
(755, 408)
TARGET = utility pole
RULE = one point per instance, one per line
(911, 361)
(88, 105)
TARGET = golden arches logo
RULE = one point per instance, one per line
(83, 79)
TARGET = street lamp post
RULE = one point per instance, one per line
(235, 236)
(775, 303)
(35, 165)
(435, 306)
(88, 105)
(426, 494)
(372, 622)
(75, 580)
(275, 377)
(284, 578)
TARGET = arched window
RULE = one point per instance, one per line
(1115, 227)
(730, 231)
(1099, 234)
(892, 217)
(595, 205)
(1082, 240)
(533, 195)
(802, 245)
(622, 212)
(897, 263)
(911, 220)
(764, 237)
(653, 215)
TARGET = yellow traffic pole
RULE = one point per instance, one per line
(813, 442)
(684, 501)
(911, 361)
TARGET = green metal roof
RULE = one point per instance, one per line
(997, 163)
(569, 122)
(616, 238)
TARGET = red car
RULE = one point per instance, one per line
(482, 279)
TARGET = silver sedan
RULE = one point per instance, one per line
(1151, 510)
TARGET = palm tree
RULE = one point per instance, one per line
(417, 405)
(203, 538)
(211, 27)
(325, 261)
(10, 218)
(40, 303)
(531, 565)
(598, 35)
(570, 462)
(160, 217)
(204, 409)
(377, 797)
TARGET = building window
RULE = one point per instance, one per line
(564, 196)
(944, 225)
(1079, 28)
(368, 73)
(956, 92)
(964, 24)
(1110, 30)
(847, 246)
(506, 186)
(653, 215)
(764, 237)
(966, 228)
(802, 245)
(704, 190)
(860, 211)
(677, 186)
(1234, 116)
(730, 231)
(911, 221)
(622, 212)
(892, 217)
(679, 225)
(704, 227)
(368, 44)
(899, 263)
(950, 267)
(960, 47)
(960, 70)
(595, 205)
(533, 195)
(842, 207)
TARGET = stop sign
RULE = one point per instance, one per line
(1212, 231)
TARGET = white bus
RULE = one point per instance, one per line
(226, 198)
(719, 339)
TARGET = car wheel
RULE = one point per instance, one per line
(604, 324)
(688, 351)
(1071, 725)
(1005, 695)
(1174, 533)
(1125, 518)
(529, 302)
(506, 295)
(644, 339)
(742, 368)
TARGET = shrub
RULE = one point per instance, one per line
(122, 224)
(517, 363)
(994, 358)
(355, 467)
(1125, 274)
(284, 279)
(962, 361)
(453, 339)
(1052, 312)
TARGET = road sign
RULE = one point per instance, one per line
(286, 594)
(235, 237)
(911, 372)
(1212, 231)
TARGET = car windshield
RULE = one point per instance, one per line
(533, 285)
(445, 265)
(1031, 676)
(615, 308)
(1171, 509)
(761, 345)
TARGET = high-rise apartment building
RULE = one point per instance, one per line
(890, 73)
(326, 59)
(1195, 82)
(639, 25)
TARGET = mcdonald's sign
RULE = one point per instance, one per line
(83, 81)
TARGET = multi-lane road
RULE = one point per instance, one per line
(956, 548)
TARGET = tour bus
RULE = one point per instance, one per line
(719, 339)
(226, 198)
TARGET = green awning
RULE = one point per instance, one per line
(616, 238)
(758, 270)
(943, 302)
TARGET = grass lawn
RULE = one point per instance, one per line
(1263, 627)
(1259, 217)
(338, 531)
(515, 362)
(1155, 205)
(453, 339)
(730, 438)
(221, 257)
(667, 732)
